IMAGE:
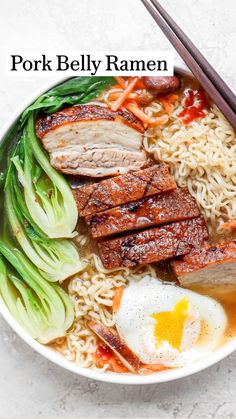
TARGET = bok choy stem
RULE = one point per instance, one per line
(43, 309)
(42, 213)
(56, 259)
(48, 196)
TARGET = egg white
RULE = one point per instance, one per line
(149, 296)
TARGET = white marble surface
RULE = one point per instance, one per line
(30, 386)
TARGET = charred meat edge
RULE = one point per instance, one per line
(204, 257)
(111, 338)
(109, 193)
(163, 208)
(153, 245)
(79, 113)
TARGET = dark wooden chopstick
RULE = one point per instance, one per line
(197, 55)
(193, 64)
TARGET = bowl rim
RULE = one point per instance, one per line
(109, 377)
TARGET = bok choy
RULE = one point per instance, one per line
(49, 198)
(43, 309)
(57, 259)
(47, 195)
(42, 214)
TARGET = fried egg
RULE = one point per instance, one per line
(168, 325)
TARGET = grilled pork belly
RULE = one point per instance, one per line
(159, 209)
(153, 245)
(92, 140)
(111, 338)
(208, 265)
(121, 189)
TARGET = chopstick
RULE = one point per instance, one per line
(204, 64)
(194, 61)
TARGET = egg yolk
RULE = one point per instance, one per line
(170, 324)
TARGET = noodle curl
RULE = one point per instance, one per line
(201, 156)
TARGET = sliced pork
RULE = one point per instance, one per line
(158, 209)
(92, 140)
(208, 265)
(121, 189)
(153, 245)
(111, 338)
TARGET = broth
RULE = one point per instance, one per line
(92, 291)
(226, 296)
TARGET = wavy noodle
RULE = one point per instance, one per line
(201, 156)
(92, 293)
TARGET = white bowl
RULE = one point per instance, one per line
(110, 377)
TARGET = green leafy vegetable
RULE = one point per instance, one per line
(75, 91)
(43, 309)
(57, 259)
(7, 146)
(42, 213)
(47, 195)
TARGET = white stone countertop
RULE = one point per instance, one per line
(31, 386)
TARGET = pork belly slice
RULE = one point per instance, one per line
(122, 189)
(46, 124)
(165, 208)
(153, 245)
(208, 265)
(92, 140)
(118, 346)
(98, 162)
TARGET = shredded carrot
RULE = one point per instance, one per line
(133, 107)
(117, 104)
(166, 105)
(154, 367)
(152, 122)
(147, 369)
(229, 224)
(116, 95)
(99, 361)
(114, 364)
(167, 100)
(172, 98)
(121, 82)
(117, 298)
(130, 80)
(140, 85)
